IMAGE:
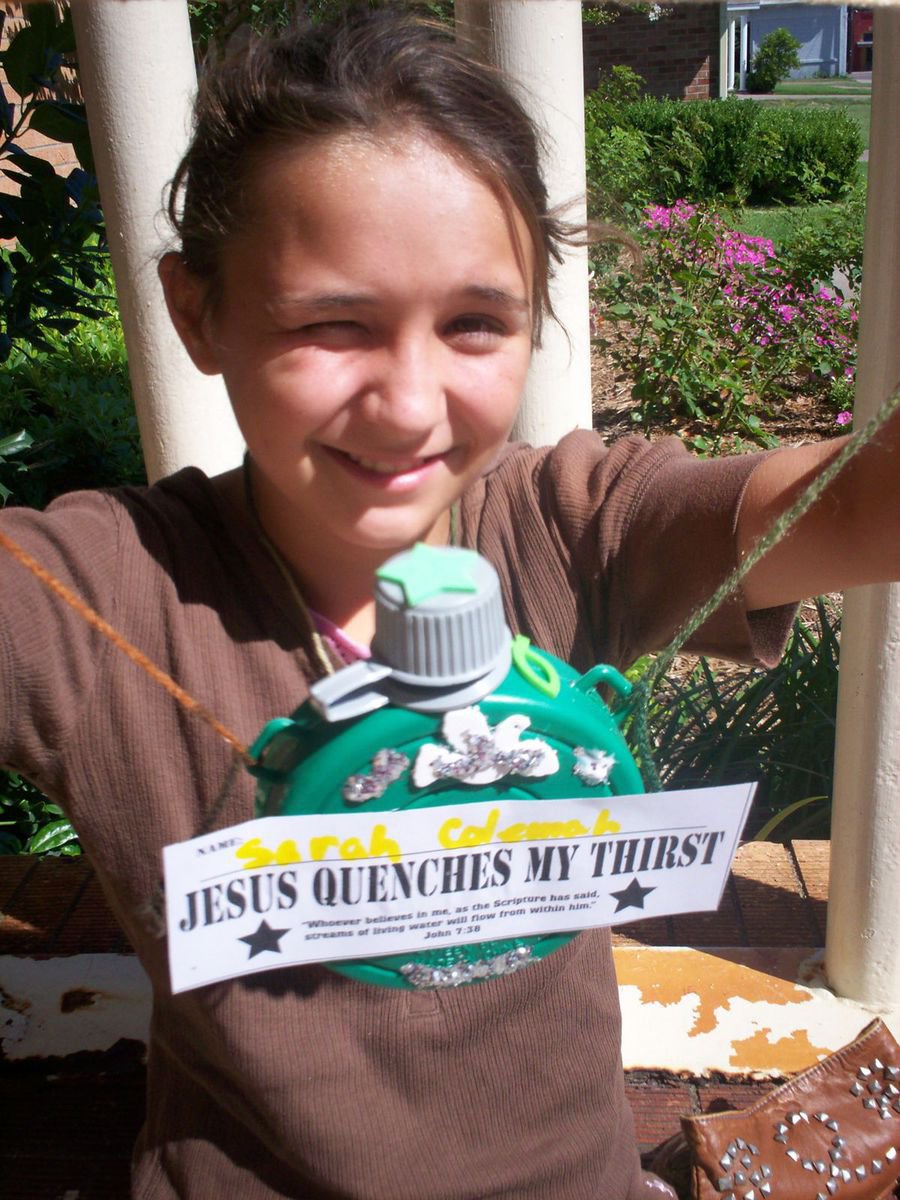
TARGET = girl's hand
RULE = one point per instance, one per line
(850, 536)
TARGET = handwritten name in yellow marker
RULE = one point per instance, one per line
(253, 854)
(453, 833)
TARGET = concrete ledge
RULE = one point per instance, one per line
(739, 993)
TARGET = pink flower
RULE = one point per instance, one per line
(843, 418)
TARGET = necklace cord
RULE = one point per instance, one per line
(315, 638)
(140, 659)
(644, 688)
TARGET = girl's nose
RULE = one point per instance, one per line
(407, 391)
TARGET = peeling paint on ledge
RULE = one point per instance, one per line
(746, 1011)
(739, 1012)
(58, 1006)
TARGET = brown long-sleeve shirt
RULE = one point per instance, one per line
(299, 1082)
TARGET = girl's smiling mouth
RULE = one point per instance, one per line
(403, 472)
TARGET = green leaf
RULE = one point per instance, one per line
(51, 837)
(26, 57)
(771, 825)
(58, 121)
(15, 443)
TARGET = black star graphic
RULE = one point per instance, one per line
(265, 938)
(632, 896)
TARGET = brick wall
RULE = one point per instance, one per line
(60, 154)
(678, 55)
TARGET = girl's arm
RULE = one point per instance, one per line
(851, 535)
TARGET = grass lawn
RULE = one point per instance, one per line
(858, 108)
(836, 86)
(777, 223)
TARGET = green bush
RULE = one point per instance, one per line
(73, 400)
(30, 823)
(776, 727)
(827, 241)
(806, 155)
(52, 225)
(619, 84)
(713, 332)
(653, 151)
(774, 60)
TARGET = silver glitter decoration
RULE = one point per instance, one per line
(387, 767)
(420, 975)
(592, 767)
(477, 753)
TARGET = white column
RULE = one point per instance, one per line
(863, 940)
(745, 52)
(137, 72)
(538, 44)
(731, 23)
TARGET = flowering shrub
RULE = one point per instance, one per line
(715, 330)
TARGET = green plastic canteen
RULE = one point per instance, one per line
(450, 709)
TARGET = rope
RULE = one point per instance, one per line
(644, 688)
(137, 656)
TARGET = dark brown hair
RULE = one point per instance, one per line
(369, 71)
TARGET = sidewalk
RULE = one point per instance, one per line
(69, 1121)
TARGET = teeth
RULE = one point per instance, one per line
(388, 468)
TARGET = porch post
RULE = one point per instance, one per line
(863, 938)
(137, 73)
(538, 44)
(745, 52)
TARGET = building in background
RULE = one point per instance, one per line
(821, 30)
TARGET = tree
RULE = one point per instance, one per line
(773, 61)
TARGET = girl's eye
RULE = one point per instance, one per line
(475, 328)
(329, 333)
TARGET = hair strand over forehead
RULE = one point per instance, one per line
(371, 72)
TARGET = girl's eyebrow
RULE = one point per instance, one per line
(498, 296)
(323, 302)
(327, 301)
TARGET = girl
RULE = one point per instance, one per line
(364, 255)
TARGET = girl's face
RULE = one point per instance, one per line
(374, 332)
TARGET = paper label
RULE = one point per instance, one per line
(281, 891)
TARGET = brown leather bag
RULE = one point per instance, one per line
(830, 1133)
